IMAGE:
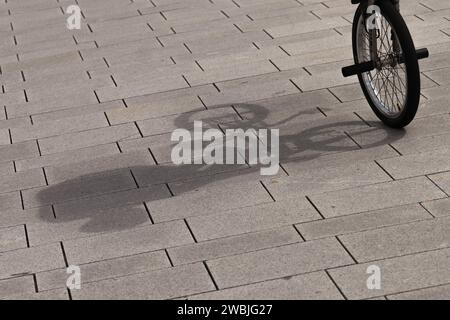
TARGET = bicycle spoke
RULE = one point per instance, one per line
(388, 82)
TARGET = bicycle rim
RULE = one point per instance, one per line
(386, 85)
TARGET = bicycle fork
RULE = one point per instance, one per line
(375, 62)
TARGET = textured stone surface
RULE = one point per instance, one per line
(399, 240)
(399, 274)
(233, 245)
(125, 243)
(162, 284)
(31, 260)
(278, 262)
(12, 238)
(106, 269)
(86, 174)
(310, 286)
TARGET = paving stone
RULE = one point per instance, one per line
(440, 60)
(101, 165)
(227, 41)
(22, 180)
(12, 98)
(155, 110)
(234, 245)
(6, 168)
(264, 10)
(209, 63)
(435, 4)
(311, 286)
(15, 123)
(31, 260)
(278, 262)
(363, 221)
(139, 88)
(231, 72)
(95, 203)
(10, 287)
(153, 175)
(376, 196)
(10, 200)
(189, 15)
(45, 49)
(123, 74)
(335, 11)
(106, 269)
(284, 111)
(221, 27)
(159, 145)
(340, 159)
(114, 245)
(74, 112)
(421, 128)
(220, 182)
(72, 141)
(299, 104)
(14, 217)
(4, 137)
(63, 96)
(59, 294)
(66, 227)
(78, 188)
(252, 219)
(266, 86)
(323, 80)
(38, 107)
(274, 22)
(12, 238)
(76, 80)
(64, 158)
(436, 92)
(58, 127)
(440, 76)
(417, 164)
(324, 179)
(434, 293)
(349, 92)
(149, 48)
(398, 274)
(168, 96)
(422, 144)
(210, 119)
(439, 207)
(162, 284)
(311, 58)
(58, 61)
(304, 27)
(425, 35)
(442, 180)
(196, 203)
(398, 240)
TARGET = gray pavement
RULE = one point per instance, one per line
(86, 174)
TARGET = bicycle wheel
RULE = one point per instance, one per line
(393, 88)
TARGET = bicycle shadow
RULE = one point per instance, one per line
(96, 200)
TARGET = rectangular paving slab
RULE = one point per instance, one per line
(278, 262)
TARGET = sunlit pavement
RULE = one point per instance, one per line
(87, 180)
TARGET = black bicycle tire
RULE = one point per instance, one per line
(411, 63)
